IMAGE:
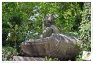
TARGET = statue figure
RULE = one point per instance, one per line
(48, 25)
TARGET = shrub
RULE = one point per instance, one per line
(85, 28)
(8, 53)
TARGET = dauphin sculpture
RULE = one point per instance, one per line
(54, 45)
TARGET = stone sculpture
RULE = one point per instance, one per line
(53, 44)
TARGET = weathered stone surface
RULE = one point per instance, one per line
(23, 58)
(59, 46)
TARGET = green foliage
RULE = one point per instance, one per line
(51, 59)
(79, 57)
(19, 18)
(85, 30)
(16, 16)
(85, 27)
(68, 14)
(8, 53)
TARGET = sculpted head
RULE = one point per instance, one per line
(50, 19)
